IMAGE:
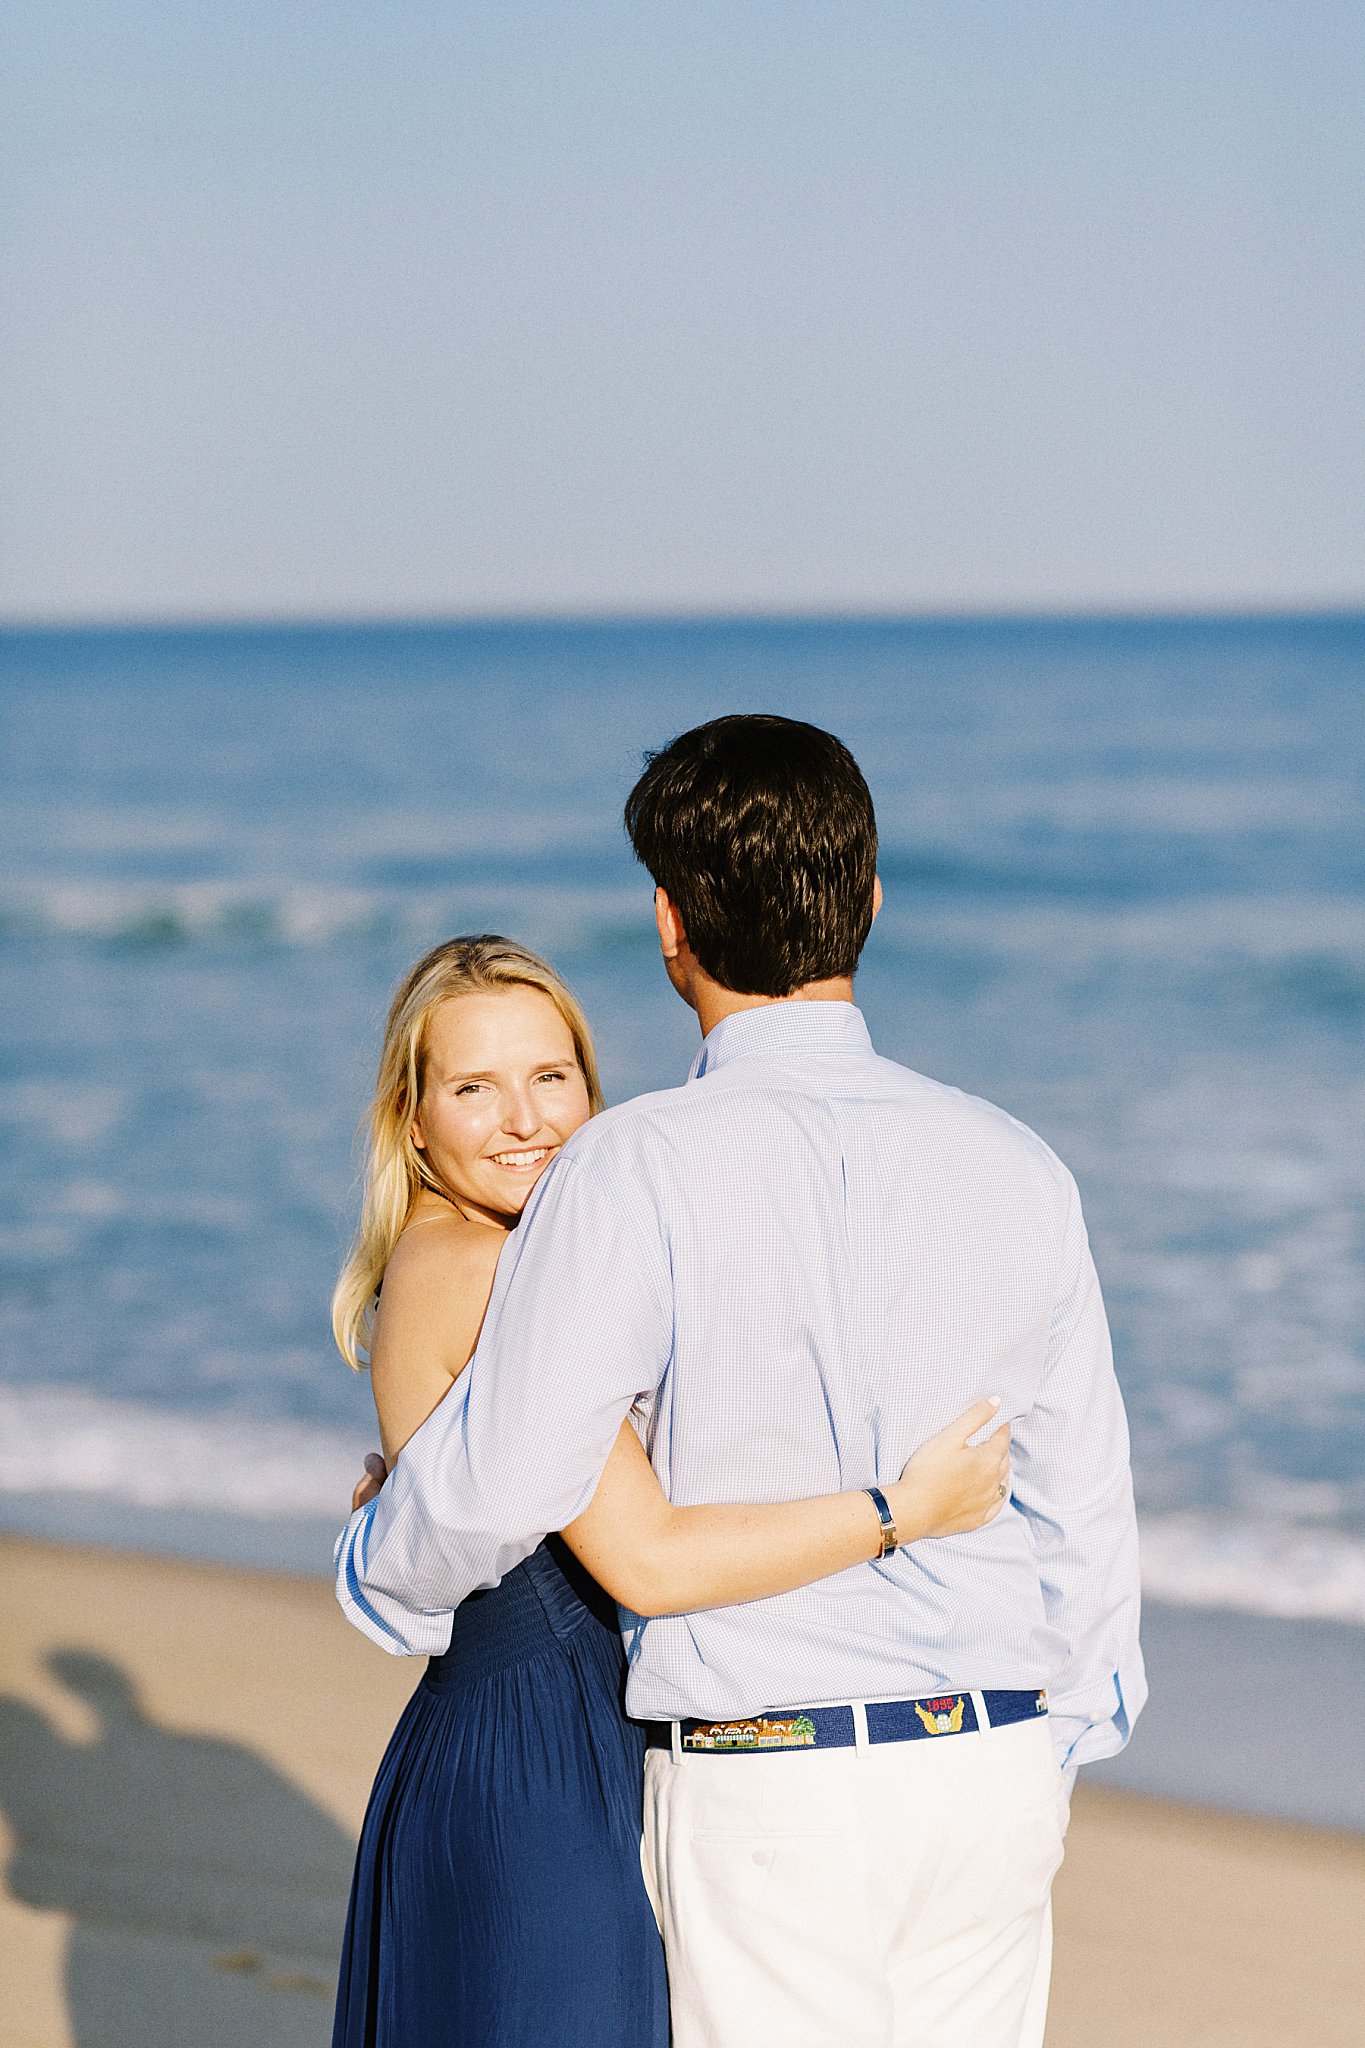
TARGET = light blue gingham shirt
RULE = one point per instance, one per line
(796, 1267)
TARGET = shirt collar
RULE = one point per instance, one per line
(799, 1027)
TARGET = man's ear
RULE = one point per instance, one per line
(672, 937)
(876, 896)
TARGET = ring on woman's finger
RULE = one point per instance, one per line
(1002, 1490)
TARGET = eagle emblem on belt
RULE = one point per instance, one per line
(940, 1717)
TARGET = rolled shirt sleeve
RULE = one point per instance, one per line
(518, 1445)
(1072, 1482)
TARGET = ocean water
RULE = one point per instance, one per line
(1125, 880)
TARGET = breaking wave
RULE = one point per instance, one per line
(1293, 1571)
(1287, 957)
(59, 1440)
(62, 1441)
(157, 919)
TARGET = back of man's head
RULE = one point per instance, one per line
(762, 832)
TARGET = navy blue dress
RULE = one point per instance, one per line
(498, 1901)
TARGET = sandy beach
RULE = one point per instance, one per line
(185, 1753)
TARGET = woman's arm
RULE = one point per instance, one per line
(659, 1559)
(431, 1310)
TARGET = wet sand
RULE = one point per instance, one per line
(185, 1753)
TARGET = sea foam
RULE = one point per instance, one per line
(60, 1440)
(65, 1442)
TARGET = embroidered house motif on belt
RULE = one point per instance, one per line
(764, 1732)
(941, 1717)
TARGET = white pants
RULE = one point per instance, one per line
(887, 1897)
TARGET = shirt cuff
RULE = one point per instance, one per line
(1081, 1738)
(377, 1615)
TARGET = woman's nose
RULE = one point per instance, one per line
(522, 1118)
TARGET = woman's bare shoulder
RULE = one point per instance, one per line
(440, 1255)
(432, 1303)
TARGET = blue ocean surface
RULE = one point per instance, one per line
(1124, 865)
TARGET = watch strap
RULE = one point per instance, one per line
(890, 1537)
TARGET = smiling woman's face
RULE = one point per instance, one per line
(501, 1092)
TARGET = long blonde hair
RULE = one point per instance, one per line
(395, 1170)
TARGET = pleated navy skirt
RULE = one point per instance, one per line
(498, 1901)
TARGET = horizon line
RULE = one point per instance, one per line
(1286, 612)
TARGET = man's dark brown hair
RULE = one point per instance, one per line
(763, 834)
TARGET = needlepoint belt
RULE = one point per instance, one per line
(951, 1713)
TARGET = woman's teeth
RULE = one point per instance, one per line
(520, 1158)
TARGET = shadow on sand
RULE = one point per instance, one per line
(206, 1892)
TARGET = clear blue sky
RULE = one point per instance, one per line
(444, 308)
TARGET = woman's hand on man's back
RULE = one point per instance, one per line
(951, 1485)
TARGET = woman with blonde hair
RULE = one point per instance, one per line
(498, 1900)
